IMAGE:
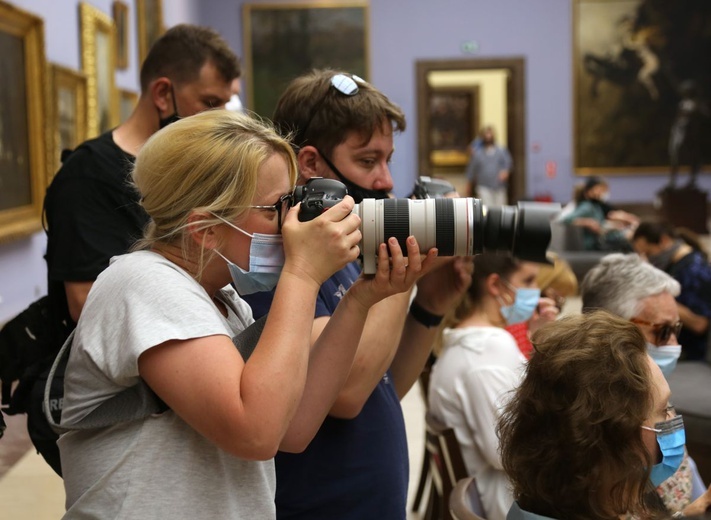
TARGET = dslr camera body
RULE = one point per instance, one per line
(431, 188)
(455, 226)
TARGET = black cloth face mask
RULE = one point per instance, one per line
(165, 121)
(357, 192)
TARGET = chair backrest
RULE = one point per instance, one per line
(440, 476)
(566, 237)
(446, 460)
(464, 501)
(452, 454)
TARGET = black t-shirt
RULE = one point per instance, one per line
(92, 214)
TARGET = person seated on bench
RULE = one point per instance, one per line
(604, 227)
(481, 363)
(590, 431)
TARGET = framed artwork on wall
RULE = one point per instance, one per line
(68, 109)
(453, 122)
(128, 100)
(283, 41)
(149, 18)
(98, 57)
(22, 122)
(120, 10)
(632, 62)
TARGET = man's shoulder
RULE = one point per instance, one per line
(93, 159)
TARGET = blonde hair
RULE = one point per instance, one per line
(559, 276)
(206, 163)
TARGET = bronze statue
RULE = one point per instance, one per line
(685, 135)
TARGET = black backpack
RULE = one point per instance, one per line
(28, 347)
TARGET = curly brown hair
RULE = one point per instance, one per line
(571, 441)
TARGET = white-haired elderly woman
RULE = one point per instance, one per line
(214, 185)
(629, 287)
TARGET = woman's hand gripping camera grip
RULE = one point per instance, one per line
(317, 248)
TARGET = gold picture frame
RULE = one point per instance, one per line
(98, 57)
(120, 11)
(23, 151)
(128, 100)
(149, 18)
(68, 114)
(283, 41)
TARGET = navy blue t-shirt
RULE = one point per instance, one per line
(694, 275)
(353, 469)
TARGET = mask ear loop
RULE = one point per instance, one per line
(250, 235)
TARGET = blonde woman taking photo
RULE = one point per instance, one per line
(216, 187)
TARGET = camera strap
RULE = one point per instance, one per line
(138, 401)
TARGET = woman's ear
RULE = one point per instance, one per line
(493, 284)
(202, 233)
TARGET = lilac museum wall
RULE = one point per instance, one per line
(401, 32)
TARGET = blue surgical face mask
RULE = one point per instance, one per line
(665, 356)
(671, 439)
(266, 259)
(525, 303)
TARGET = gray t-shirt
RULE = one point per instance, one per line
(158, 467)
(485, 165)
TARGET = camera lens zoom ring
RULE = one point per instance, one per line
(444, 226)
(396, 221)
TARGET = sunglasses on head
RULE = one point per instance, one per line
(346, 84)
(662, 331)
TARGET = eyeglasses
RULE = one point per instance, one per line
(281, 207)
(671, 422)
(345, 84)
(662, 331)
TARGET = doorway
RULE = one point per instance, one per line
(455, 98)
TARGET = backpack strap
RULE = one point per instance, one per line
(138, 401)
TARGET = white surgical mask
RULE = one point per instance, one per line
(235, 104)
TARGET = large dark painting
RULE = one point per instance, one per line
(15, 179)
(285, 41)
(22, 122)
(639, 66)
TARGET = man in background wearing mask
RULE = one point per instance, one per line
(91, 210)
(357, 465)
(629, 287)
(489, 169)
(683, 258)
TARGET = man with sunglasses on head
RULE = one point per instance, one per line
(357, 465)
(629, 287)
